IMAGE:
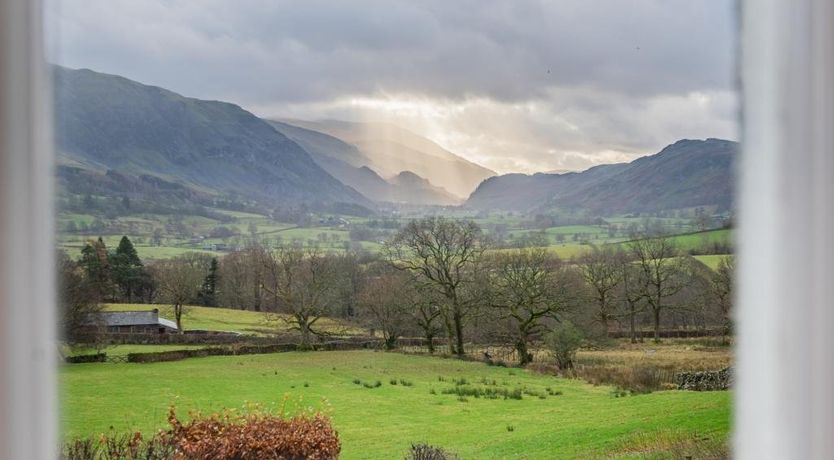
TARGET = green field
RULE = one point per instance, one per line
(227, 319)
(700, 239)
(711, 261)
(330, 232)
(379, 423)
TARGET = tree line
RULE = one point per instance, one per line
(436, 278)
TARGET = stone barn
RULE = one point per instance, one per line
(131, 322)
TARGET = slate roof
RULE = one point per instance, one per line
(132, 318)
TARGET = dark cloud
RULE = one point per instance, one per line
(590, 63)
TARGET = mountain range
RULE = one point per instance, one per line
(389, 149)
(120, 138)
(354, 168)
(147, 135)
(108, 122)
(685, 174)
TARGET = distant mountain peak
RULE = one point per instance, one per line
(389, 149)
(340, 159)
(409, 176)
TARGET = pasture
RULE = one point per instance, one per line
(417, 399)
(328, 232)
(230, 320)
(711, 260)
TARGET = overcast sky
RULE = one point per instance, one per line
(515, 85)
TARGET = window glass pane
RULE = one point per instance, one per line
(486, 230)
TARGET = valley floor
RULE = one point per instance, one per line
(556, 418)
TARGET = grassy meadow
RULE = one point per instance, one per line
(331, 233)
(711, 260)
(555, 417)
(382, 402)
(229, 320)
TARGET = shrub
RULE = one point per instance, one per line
(487, 393)
(563, 342)
(124, 446)
(253, 435)
(256, 435)
(645, 379)
(175, 355)
(94, 358)
(619, 392)
(637, 379)
(427, 452)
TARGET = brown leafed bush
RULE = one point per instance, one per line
(254, 435)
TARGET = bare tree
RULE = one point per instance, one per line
(179, 281)
(234, 280)
(256, 257)
(242, 275)
(633, 291)
(526, 288)
(351, 277)
(444, 253)
(601, 270)
(663, 270)
(722, 284)
(78, 301)
(384, 303)
(304, 285)
(426, 313)
(694, 305)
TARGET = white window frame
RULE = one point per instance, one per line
(784, 400)
(784, 395)
(28, 403)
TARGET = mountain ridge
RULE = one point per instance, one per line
(390, 149)
(684, 174)
(346, 163)
(120, 124)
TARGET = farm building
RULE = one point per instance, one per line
(137, 322)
